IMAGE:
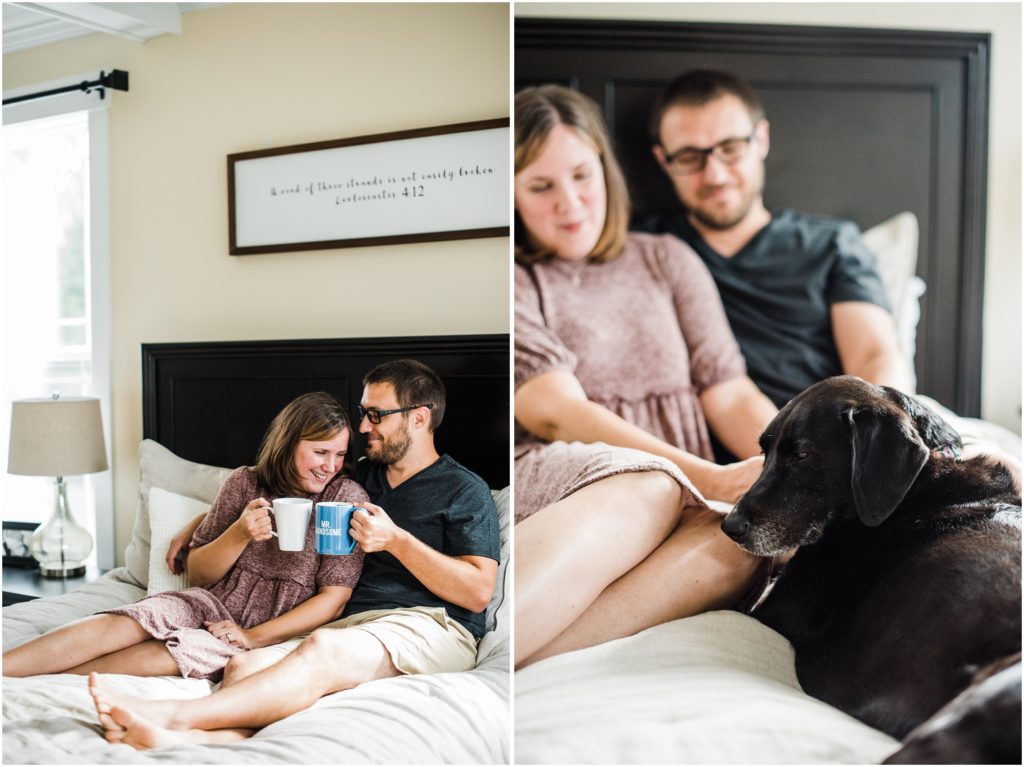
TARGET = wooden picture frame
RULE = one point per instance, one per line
(447, 182)
(17, 537)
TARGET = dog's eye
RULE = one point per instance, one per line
(801, 455)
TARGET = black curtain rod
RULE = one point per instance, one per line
(117, 79)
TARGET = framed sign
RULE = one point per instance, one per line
(444, 183)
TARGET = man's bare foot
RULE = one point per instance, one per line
(142, 734)
(159, 713)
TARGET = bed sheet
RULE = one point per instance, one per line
(717, 688)
(442, 718)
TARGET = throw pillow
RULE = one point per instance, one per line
(168, 513)
(159, 467)
(894, 243)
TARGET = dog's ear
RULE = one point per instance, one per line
(887, 455)
(934, 430)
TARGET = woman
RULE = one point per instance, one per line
(246, 592)
(624, 357)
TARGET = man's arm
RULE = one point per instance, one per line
(737, 412)
(178, 549)
(466, 581)
(865, 336)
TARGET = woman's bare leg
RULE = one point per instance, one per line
(695, 570)
(568, 553)
(150, 658)
(74, 644)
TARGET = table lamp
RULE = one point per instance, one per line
(58, 437)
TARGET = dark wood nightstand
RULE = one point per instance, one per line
(21, 585)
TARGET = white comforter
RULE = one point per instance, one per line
(442, 718)
(718, 688)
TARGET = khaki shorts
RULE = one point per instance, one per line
(420, 640)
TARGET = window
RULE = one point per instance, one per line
(54, 289)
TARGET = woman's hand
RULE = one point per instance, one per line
(254, 521)
(231, 633)
(730, 482)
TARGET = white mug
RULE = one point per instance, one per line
(292, 517)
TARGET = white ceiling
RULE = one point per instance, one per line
(26, 25)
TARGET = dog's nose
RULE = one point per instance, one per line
(736, 526)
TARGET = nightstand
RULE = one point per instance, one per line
(21, 585)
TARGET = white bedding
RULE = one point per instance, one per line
(718, 688)
(443, 718)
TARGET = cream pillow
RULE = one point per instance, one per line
(168, 514)
(159, 467)
(894, 244)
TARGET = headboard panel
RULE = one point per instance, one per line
(211, 402)
(865, 124)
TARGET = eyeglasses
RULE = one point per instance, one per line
(375, 415)
(692, 160)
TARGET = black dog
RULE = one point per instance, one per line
(907, 581)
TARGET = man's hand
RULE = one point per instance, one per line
(734, 479)
(373, 528)
(175, 558)
(231, 633)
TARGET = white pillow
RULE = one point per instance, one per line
(159, 467)
(168, 514)
(894, 243)
(497, 617)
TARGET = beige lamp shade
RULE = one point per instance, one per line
(56, 437)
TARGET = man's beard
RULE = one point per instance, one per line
(390, 450)
(722, 219)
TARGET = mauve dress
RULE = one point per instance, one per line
(264, 582)
(644, 334)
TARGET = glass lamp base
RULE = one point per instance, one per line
(58, 570)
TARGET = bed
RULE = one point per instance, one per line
(720, 688)
(205, 406)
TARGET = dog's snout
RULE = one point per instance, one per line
(736, 526)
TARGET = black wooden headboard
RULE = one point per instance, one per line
(866, 123)
(212, 402)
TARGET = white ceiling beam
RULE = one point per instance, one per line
(134, 21)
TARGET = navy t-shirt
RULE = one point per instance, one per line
(447, 507)
(778, 291)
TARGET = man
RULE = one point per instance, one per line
(428, 575)
(802, 293)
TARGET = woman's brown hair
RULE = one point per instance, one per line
(317, 417)
(537, 111)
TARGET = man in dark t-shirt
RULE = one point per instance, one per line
(441, 507)
(802, 293)
(779, 291)
(431, 544)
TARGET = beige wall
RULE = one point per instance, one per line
(252, 76)
(1001, 362)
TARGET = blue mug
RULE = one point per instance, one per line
(333, 520)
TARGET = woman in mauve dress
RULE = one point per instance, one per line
(623, 360)
(247, 593)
